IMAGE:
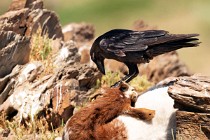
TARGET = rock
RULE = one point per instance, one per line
(140, 25)
(17, 5)
(159, 68)
(48, 22)
(192, 125)
(82, 34)
(20, 4)
(68, 54)
(88, 77)
(9, 22)
(163, 66)
(27, 16)
(192, 98)
(14, 49)
(79, 32)
(27, 92)
(61, 98)
(84, 51)
(28, 97)
(72, 89)
(192, 93)
(34, 4)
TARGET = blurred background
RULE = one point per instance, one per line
(180, 16)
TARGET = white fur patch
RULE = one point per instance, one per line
(130, 93)
(162, 124)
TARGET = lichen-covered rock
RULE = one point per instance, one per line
(14, 49)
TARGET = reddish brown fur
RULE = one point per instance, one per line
(112, 130)
(95, 120)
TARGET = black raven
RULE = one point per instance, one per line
(134, 47)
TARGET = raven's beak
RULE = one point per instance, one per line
(100, 65)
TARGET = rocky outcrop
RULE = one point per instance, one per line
(14, 49)
(17, 25)
(26, 16)
(27, 91)
(192, 98)
(26, 95)
(192, 125)
(193, 93)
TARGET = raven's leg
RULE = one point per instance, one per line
(133, 72)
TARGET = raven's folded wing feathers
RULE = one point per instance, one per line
(121, 41)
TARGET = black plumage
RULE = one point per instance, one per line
(134, 47)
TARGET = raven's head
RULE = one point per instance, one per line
(97, 58)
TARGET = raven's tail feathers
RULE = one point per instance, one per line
(169, 46)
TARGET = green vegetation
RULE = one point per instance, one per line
(41, 50)
(40, 47)
(140, 83)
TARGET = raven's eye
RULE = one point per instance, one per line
(103, 42)
(123, 88)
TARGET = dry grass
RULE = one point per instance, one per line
(140, 83)
(41, 50)
(38, 129)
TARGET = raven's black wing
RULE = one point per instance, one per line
(120, 41)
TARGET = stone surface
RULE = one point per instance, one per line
(20, 4)
(14, 49)
(164, 66)
(192, 126)
(27, 96)
(33, 90)
(192, 98)
(140, 25)
(79, 32)
(192, 93)
(28, 92)
(25, 17)
(159, 68)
